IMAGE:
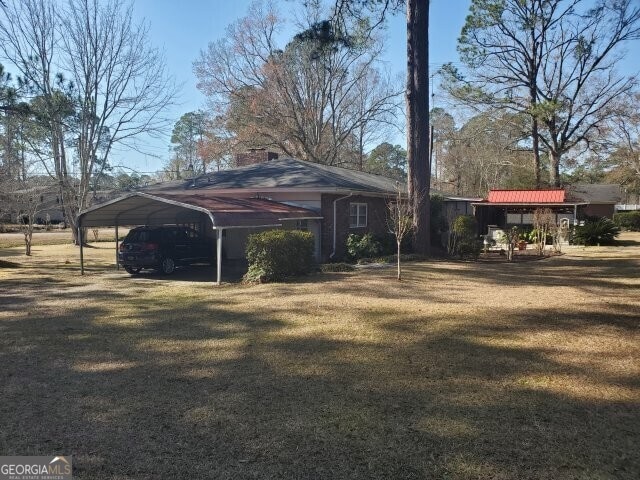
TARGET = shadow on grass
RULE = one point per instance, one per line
(212, 388)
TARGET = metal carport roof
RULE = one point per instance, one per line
(179, 207)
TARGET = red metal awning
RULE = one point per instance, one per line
(526, 196)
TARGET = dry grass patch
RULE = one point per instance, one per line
(462, 371)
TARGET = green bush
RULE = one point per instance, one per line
(437, 222)
(363, 246)
(596, 232)
(336, 267)
(464, 240)
(279, 254)
(627, 220)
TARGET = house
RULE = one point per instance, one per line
(266, 192)
(507, 208)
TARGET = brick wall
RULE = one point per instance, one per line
(376, 221)
(255, 156)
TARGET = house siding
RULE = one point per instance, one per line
(376, 221)
(598, 210)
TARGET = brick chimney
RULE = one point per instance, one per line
(254, 156)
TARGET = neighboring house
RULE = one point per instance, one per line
(506, 208)
(454, 206)
(49, 205)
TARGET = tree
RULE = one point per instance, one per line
(310, 100)
(624, 159)
(551, 59)
(443, 128)
(188, 137)
(111, 87)
(544, 224)
(25, 200)
(486, 153)
(387, 160)
(400, 221)
(417, 95)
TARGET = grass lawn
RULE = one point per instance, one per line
(462, 371)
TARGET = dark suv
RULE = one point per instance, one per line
(164, 248)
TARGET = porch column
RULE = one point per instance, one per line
(219, 257)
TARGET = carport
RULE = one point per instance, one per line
(211, 212)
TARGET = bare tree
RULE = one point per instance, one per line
(544, 224)
(510, 238)
(26, 201)
(554, 60)
(307, 99)
(116, 87)
(624, 156)
(400, 220)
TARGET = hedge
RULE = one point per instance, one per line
(279, 254)
(628, 220)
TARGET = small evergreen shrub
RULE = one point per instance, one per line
(627, 220)
(363, 246)
(463, 239)
(279, 254)
(596, 232)
(336, 267)
(438, 221)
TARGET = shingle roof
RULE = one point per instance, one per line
(284, 173)
(595, 193)
(526, 196)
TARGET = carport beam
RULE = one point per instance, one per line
(219, 256)
(117, 260)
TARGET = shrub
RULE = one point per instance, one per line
(628, 220)
(596, 232)
(279, 254)
(463, 240)
(438, 221)
(363, 246)
(336, 267)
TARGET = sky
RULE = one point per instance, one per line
(183, 29)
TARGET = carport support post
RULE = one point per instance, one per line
(117, 261)
(219, 256)
(80, 241)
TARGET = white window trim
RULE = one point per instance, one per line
(358, 205)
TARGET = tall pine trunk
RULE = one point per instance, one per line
(536, 152)
(418, 120)
(554, 168)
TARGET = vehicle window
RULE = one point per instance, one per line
(191, 233)
(169, 234)
(139, 236)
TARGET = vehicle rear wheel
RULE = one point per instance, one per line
(132, 271)
(168, 266)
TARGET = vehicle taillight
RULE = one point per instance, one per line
(150, 246)
(121, 248)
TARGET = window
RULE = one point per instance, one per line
(357, 215)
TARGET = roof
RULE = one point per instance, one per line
(285, 173)
(595, 193)
(552, 196)
(164, 208)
